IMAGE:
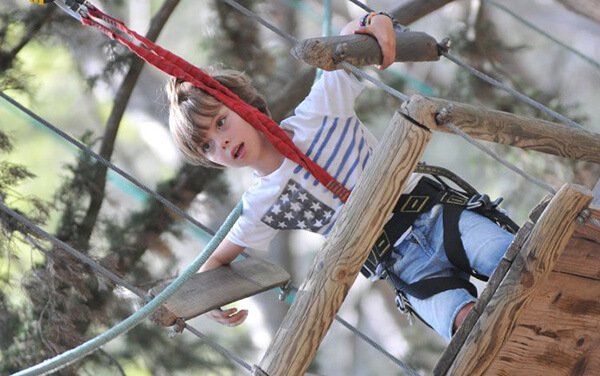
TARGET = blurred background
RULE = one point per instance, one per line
(97, 92)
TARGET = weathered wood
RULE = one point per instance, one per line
(559, 335)
(531, 267)
(215, 288)
(360, 49)
(509, 129)
(335, 268)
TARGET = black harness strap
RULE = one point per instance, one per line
(453, 245)
(423, 197)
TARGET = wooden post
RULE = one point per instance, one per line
(361, 49)
(530, 268)
(506, 128)
(335, 268)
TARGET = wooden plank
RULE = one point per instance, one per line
(582, 258)
(361, 49)
(509, 129)
(215, 288)
(335, 268)
(531, 267)
(559, 334)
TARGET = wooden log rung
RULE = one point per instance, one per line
(215, 288)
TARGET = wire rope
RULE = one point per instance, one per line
(496, 83)
(530, 25)
(106, 163)
(68, 357)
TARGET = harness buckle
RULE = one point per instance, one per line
(481, 200)
(403, 305)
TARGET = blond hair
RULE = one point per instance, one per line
(192, 109)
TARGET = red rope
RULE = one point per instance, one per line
(175, 66)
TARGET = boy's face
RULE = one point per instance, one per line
(232, 142)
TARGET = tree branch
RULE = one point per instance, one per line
(114, 120)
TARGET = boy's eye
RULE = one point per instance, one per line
(220, 122)
(206, 147)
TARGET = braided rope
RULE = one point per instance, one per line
(63, 360)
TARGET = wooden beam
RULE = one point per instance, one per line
(361, 49)
(336, 266)
(217, 287)
(530, 268)
(506, 128)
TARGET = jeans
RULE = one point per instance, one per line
(421, 255)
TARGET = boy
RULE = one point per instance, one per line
(285, 196)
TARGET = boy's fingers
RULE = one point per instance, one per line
(229, 317)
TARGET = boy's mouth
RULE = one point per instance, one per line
(238, 151)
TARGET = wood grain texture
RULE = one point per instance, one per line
(360, 49)
(529, 270)
(508, 129)
(215, 288)
(559, 335)
(335, 268)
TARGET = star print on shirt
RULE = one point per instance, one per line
(296, 208)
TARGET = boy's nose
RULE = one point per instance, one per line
(224, 144)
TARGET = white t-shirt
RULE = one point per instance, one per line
(326, 128)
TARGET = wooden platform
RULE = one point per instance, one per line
(209, 290)
(540, 313)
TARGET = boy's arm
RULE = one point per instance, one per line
(225, 253)
(382, 29)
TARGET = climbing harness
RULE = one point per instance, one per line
(421, 199)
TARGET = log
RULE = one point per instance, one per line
(529, 271)
(335, 268)
(360, 49)
(217, 287)
(506, 128)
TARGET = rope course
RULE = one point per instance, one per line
(114, 277)
(77, 353)
(403, 97)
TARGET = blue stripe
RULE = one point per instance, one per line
(349, 174)
(337, 147)
(348, 151)
(314, 143)
(325, 142)
(367, 158)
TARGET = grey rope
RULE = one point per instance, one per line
(70, 250)
(542, 32)
(220, 349)
(106, 163)
(497, 84)
(98, 268)
(410, 371)
(502, 86)
(498, 158)
(287, 36)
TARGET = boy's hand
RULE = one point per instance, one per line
(382, 29)
(228, 317)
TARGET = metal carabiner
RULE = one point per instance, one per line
(74, 8)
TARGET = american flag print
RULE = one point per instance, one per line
(295, 209)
